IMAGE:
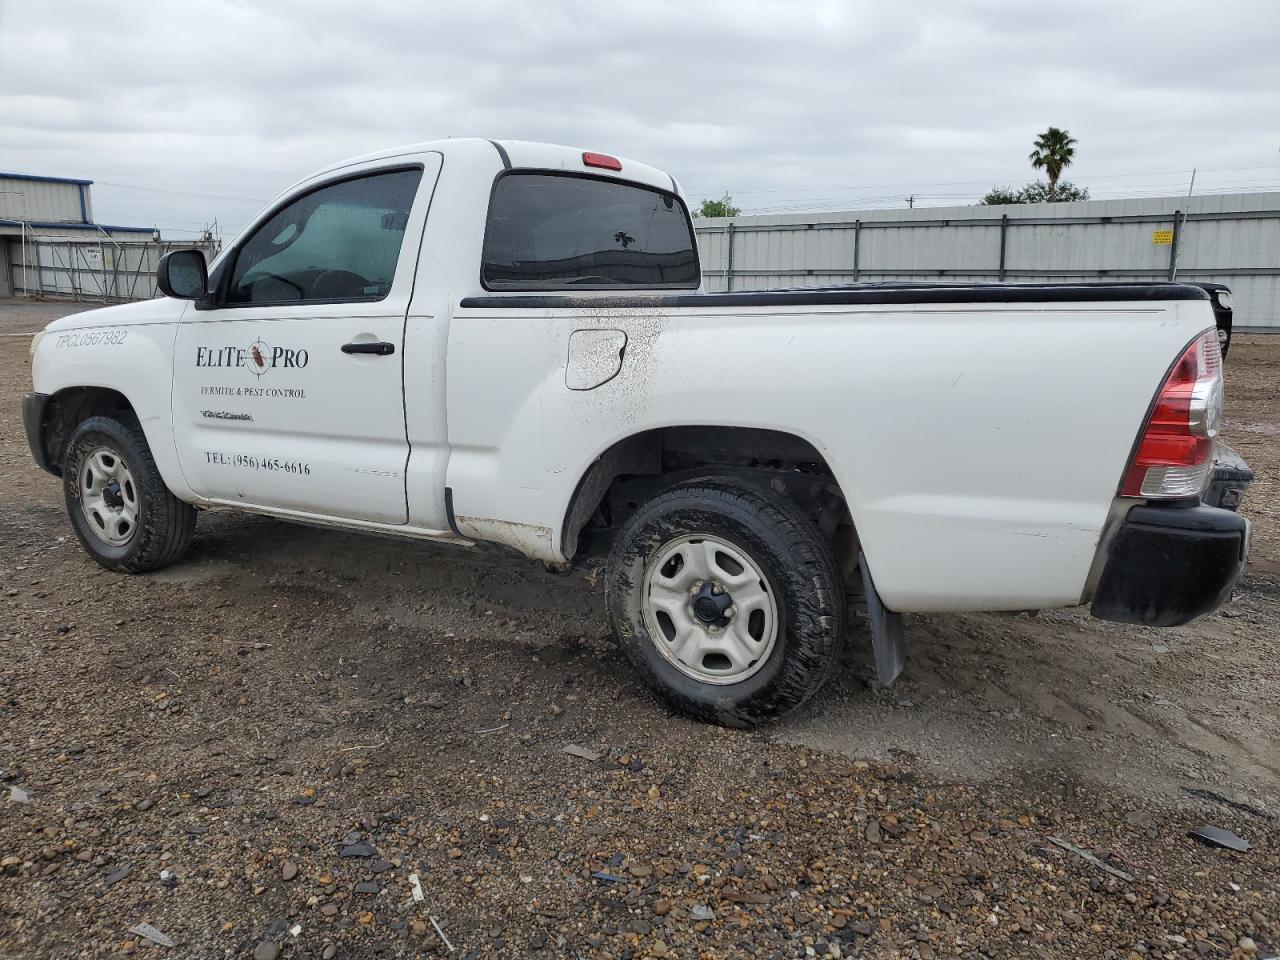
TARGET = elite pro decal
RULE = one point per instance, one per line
(258, 357)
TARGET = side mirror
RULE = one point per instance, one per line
(183, 275)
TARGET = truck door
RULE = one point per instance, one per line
(288, 389)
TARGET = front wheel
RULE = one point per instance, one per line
(122, 512)
(726, 600)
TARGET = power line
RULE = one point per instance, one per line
(126, 217)
(1118, 191)
(178, 193)
(987, 180)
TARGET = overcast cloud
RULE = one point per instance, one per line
(788, 105)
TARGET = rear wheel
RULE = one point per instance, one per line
(726, 600)
(118, 504)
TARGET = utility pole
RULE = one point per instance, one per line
(911, 202)
(1173, 265)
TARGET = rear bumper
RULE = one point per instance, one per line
(1231, 476)
(33, 407)
(1168, 565)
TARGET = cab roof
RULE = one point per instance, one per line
(523, 155)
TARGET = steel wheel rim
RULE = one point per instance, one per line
(685, 581)
(109, 496)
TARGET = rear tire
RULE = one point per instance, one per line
(726, 600)
(122, 512)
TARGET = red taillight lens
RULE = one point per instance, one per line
(601, 160)
(1175, 453)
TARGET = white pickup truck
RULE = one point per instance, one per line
(472, 341)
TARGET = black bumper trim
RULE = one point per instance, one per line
(33, 407)
(1169, 565)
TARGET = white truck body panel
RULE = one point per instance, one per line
(950, 430)
(127, 348)
(978, 445)
(334, 420)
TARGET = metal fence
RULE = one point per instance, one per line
(1232, 239)
(103, 269)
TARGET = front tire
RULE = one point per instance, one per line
(122, 512)
(726, 600)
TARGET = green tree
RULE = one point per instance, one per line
(1064, 190)
(1036, 192)
(1054, 151)
(718, 208)
(1001, 195)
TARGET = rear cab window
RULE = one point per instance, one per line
(548, 230)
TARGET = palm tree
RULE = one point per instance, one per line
(1055, 149)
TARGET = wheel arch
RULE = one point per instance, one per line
(790, 463)
(68, 408)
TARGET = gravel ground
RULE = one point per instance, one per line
(256, 751)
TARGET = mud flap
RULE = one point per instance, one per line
(886, 630)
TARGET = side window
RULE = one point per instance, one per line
(548, 231)
(340, 242)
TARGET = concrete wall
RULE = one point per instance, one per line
(1232, 239)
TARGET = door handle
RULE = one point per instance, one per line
(379, 348)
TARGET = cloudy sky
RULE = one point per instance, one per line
(186, 112)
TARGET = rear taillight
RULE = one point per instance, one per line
(1175, 452)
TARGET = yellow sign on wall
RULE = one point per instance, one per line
(1162, 238)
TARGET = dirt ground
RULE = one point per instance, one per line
(258, 750)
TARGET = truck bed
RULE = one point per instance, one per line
(863, 293)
